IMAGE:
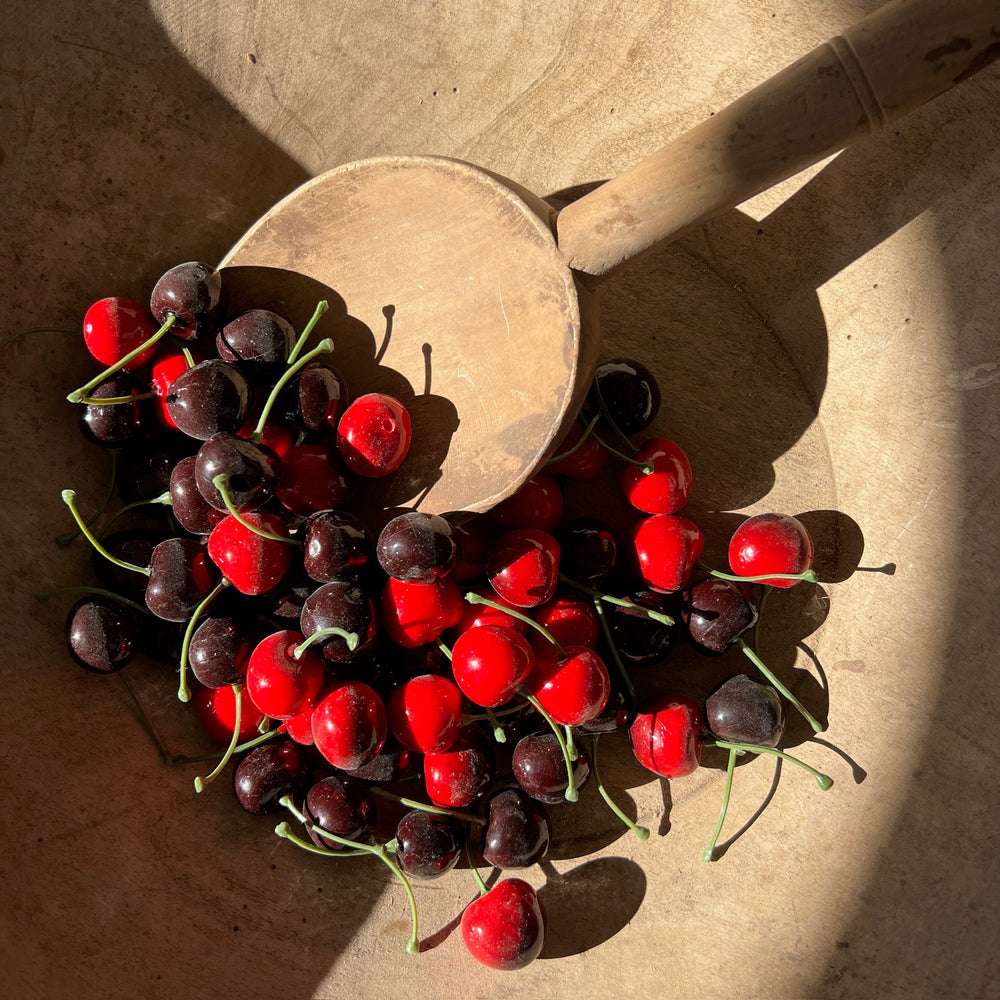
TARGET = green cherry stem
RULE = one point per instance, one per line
(621, 602)
(285, 831)
(817, 726)
(823, 780)
(615, 656)
(323, 347)
(498, 734)
(445, 650)
(606, 414)
(35, 329)
(640, 831)
(474, 598)
(183, 691)
(80, 395)
(647, 467)
(221, 483)
(709, 854)
(115, 400)
(69, 498)
(587, 431)
(474, 868)
(351, 638)
(809, 576)
(413, 945)
(425, 807)
(322, 307)
(199, 782)
(571, 794)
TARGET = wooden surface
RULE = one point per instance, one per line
(829, 349)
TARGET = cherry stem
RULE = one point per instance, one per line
(425, 807)
(241, 748)
(413, 946)
(640, 831)
(69, 498)
(498, 734)
(615, 656)
(823, 780)
(571, 794)
(221, 483)
(606, 413)
(35, 329)
(646, 467)
(351, 638)
(489, 714)
(183, 691)
(473, 598)
(808, 575)
(96, 592)
(285, 831)
(323, 347)
(570, 744)
(200, 783)
(444, 649)
(483, 887)
(115, 400)
(709, 854)
(817, 726)
(321, 308)
(588, 430)
(79, 395)
(621, 602)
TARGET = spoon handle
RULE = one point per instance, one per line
(896, 59)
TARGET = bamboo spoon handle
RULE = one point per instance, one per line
(889, 63)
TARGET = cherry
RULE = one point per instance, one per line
(170, 363)
(220, 649)
(664, 550)
(716, 613)
(569, 619)
(102, 634)
(338, 546)
(771, 543)
(143, 474)
(253, 563)
(476, 613)
(415, 613)
(641, 640)
(251, 472)
(312, 479)
(258, 341)
(216, 711)
(341, 605)
(313, 399)
(666, 735)
(518, 830)
(193, 512)
(741, 710)
(282, 679)
(342, 806)
(539, 766)
(132, 546)
(428, 844)
(268, 772)
(181, 576)
(116, 425)
(627, 391)
(373, 436)
(417, 546)
(425, 713)
(664, 490)
(193, 293)
(457, 777)
(490, 663)
(579, 455)
(349, 725)
(589, 550)
(538, 503)
(505, 928)
(573, 689)
(522, 566)
(114, 327)
(210, 397)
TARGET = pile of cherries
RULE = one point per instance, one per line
(472, 660)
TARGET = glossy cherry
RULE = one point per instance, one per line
(573, 689)
(373, 436)
(216, 711)
(457, 777)
(181, 575)
(539, 767)
(342, 605)
(415, 613)
(505, 928)
(518, 830)
(428, 845)
(629, 392)
(259, 342)
(251, 562)
(349, 725)
(425, 713)
(570, 619)
(666, 735)
(589, 550)
(220, 649)
(490, 663)
(741, 710)
(281, 679)
(192, 511)
(117, 425)
(210, 397)
(417, 546)
(716, 613)
(251, 472)
(270, 771)
(771, 543)
(342, 806)
(102, 634)
(312, 479)
(538, 503)
(664, 550)
(114, 327)
(193, 293)
(522, 566)
(338, 546)
(664, 490)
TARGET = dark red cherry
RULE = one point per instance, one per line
(170, 362)
(428, 845)
(505, 929)
(102, 634)
(771, 543)
(114, 327)
(220, 649)
(640, 640)
(538, 503)
(629, 392)
(666, 735)
(117, 425)
(589, 550)
(313, 478)
(373, 436)
(181, 575)
(193, 512)
(741, 710)
(251, 472)
(313, 399)
(349, 725)
(664, 550)
(540, 768)
(340, 805)
(208, 398)
(193, 293)
(258, 341)
(716, 613)
(523, 566)
(338, 546)
(664, 490)
(268, 772)
(144, 473)
(518, 830)
(417, 546)
(342, 605)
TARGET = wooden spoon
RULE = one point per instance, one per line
(473, 300)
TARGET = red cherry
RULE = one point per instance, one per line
(216, 711)
(299, 727)
(667, 488)
(373, 435)
(585, 461)
(280, 684)
(536, 504)
(456, 777)
(252, 563)
(425, 713)
(523, 566)
(664, 549)
(505, 928)
(486, 614)
(415, 613)
(666, 736)
(490, 663)
(569, 619)
(771, 543)
(312, 479)
(573, 689)
(349, 725)
(115, 327)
